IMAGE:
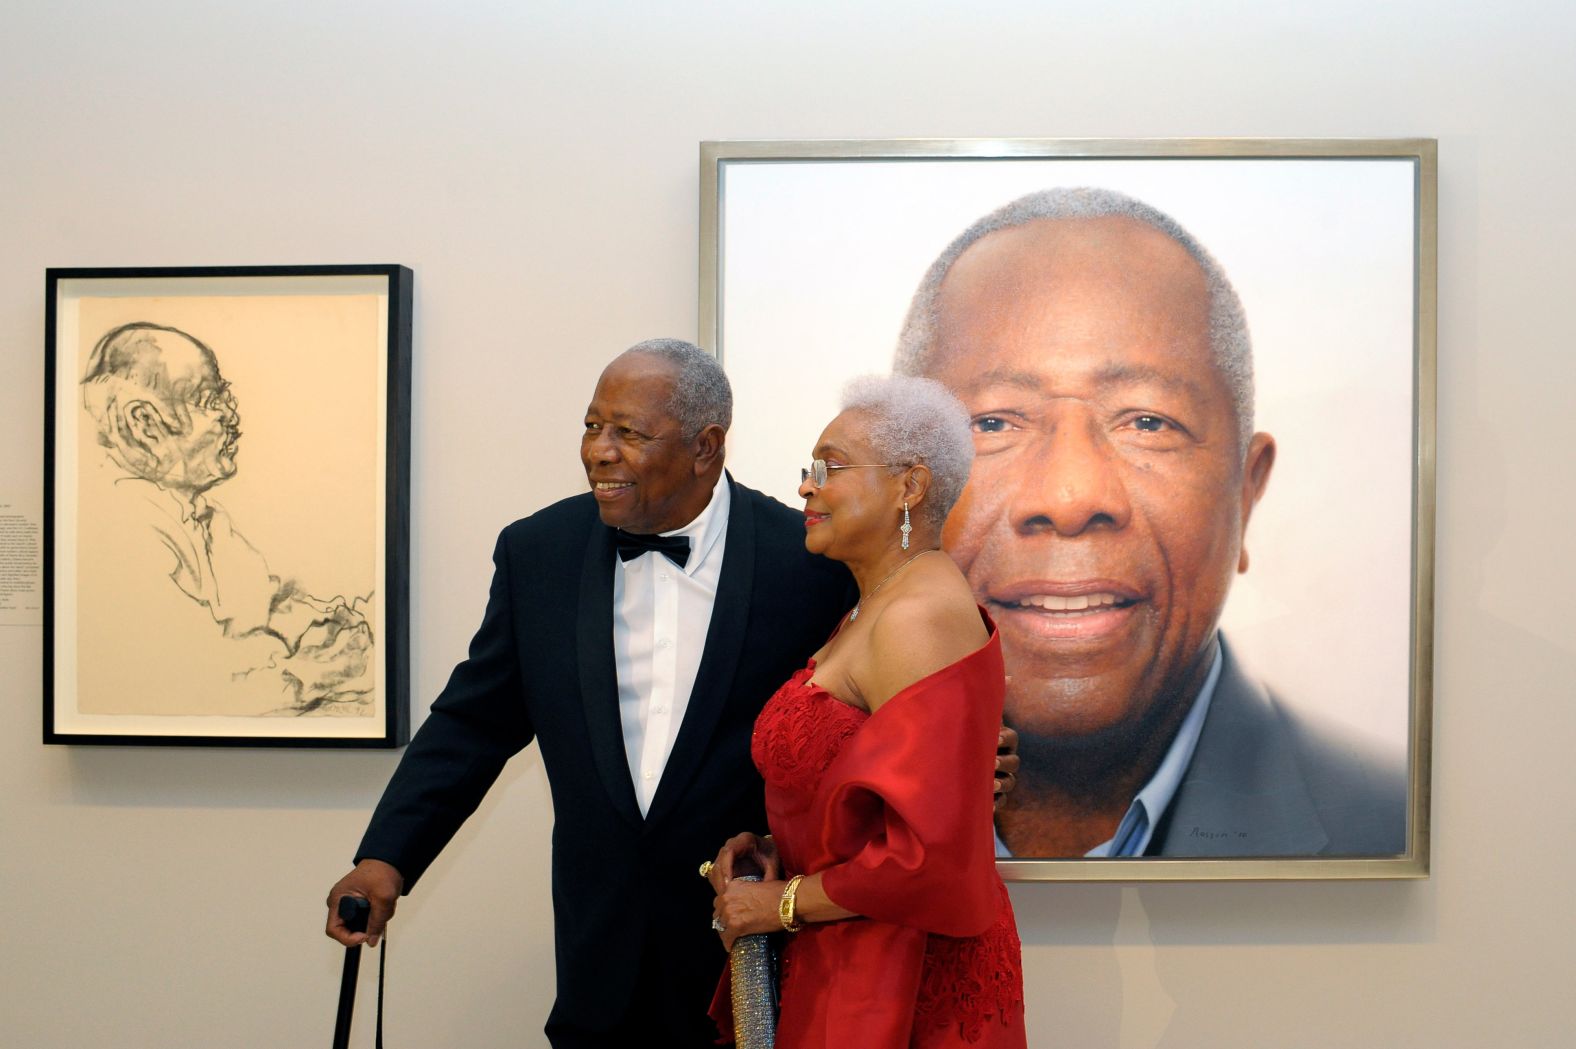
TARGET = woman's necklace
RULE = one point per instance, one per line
(855, 613)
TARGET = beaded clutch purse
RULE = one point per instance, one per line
(753, 963)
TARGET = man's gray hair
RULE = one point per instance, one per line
(702, 394)
(1228, 324)
(917, 420)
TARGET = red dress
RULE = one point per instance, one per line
(893, 810)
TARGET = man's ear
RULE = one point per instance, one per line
(709, 444)
(1256, 468)
(143, 426)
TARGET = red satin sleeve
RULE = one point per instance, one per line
(904, 814)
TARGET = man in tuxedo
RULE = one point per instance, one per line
(1105, 361)
(634, 632)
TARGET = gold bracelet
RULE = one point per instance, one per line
(785, 907)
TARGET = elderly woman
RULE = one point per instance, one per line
(903, 934)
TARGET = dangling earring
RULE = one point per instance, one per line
(907, 528)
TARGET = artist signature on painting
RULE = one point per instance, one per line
(1217, 835)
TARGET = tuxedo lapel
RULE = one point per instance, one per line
(598, 672)
(720, 658)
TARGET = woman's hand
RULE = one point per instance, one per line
(745, 854)
(748, 907)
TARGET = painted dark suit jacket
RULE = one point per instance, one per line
(541, 666)
(1267, 781)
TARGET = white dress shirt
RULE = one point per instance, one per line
(661, 614)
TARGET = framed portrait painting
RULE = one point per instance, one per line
(1199, 380)
(226, 511)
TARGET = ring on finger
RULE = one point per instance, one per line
(716, 924)
(705, 869)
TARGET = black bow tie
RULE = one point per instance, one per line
(675, 548)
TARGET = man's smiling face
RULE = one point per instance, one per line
(641, 465)
(1104, 516)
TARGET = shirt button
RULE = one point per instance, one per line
(663, 643)
(664, 577)
(651, 775)
(659, 710)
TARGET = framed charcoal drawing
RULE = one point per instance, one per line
(1200, 380)
(226, 512)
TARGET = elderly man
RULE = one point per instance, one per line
(634, 631)
(182, 611)
(1104, 358)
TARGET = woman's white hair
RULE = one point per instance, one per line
(916, 420)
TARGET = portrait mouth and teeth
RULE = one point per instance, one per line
(1081, 603)
(1070, 611)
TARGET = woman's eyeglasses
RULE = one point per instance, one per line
(819, 469)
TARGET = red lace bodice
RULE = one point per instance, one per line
(885, 980)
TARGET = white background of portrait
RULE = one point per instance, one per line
(820, 260)
(535, 165)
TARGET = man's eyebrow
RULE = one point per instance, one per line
(624, 420)
(1111, 374)
(1016, 378)
(654, 429)
(1135, 374)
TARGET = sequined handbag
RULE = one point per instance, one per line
(753, 965)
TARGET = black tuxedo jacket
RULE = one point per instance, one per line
(541, 666)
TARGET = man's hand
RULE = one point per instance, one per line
(1006, 764)
(331, 661)
(377, 883)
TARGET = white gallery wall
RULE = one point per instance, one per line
(536, 165)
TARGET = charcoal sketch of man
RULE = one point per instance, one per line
(203, 626)
(1105, 360)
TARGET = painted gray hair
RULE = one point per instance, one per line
(917, 420)
(1228, 324)
(702, 394)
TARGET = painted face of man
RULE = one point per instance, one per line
(647, 475)
(189, 424)
(207, 450)
(1104, 516)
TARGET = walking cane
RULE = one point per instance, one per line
(354, 912)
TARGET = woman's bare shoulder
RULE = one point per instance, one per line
(921, 630)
